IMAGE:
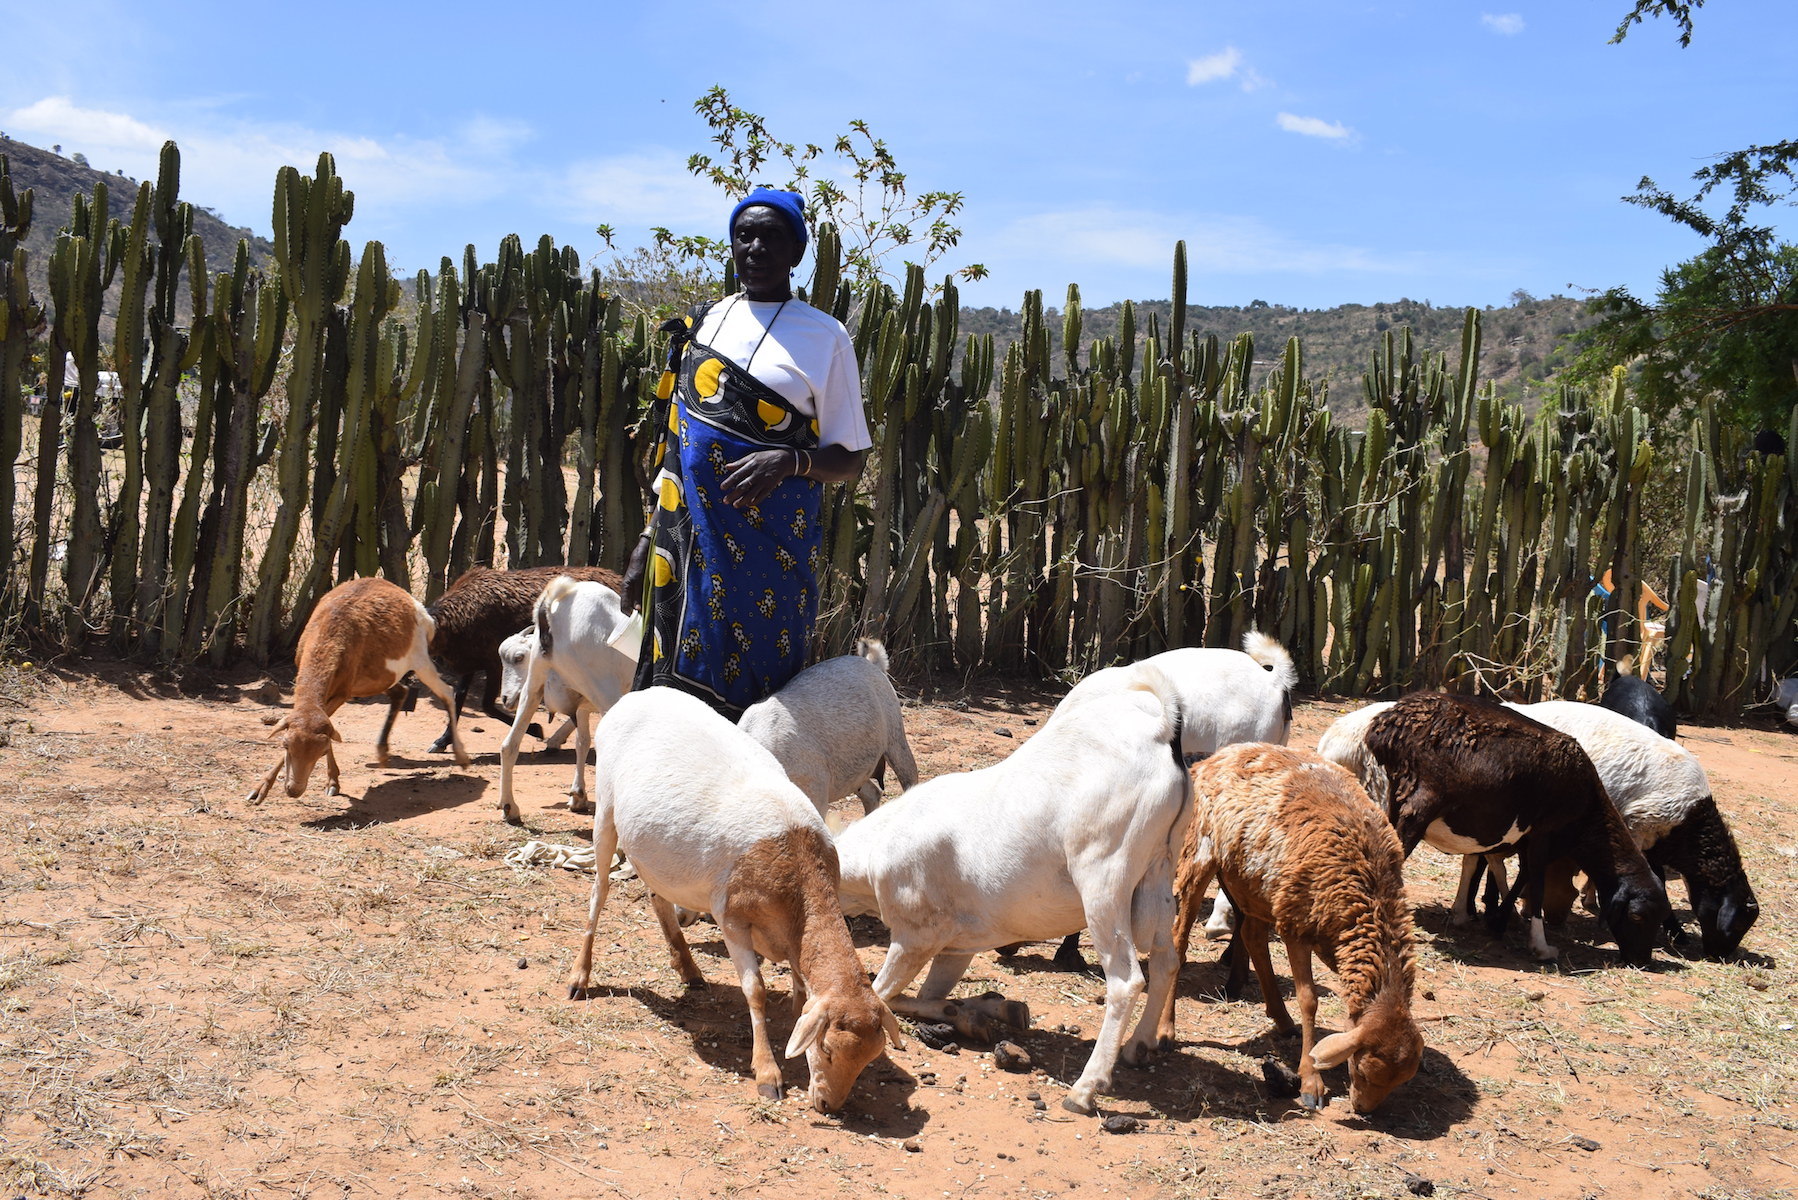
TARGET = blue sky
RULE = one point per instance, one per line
(1310, 153)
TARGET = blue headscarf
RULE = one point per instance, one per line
(788, 204)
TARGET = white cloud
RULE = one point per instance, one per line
(231, 165)
(644, 189)
(57, 121)
(1509, 24)
(1221, 65)
(1315, 127)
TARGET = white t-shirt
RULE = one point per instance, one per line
(802, 353)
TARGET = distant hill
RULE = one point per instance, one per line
(56, 179)
(1522, 345)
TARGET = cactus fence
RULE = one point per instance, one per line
(1026, 514)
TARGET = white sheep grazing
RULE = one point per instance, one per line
(558, 699)
(1079, 828)
(362, 639)
(581, 636)
(710, 821)
(1226, 697)
(836, 727)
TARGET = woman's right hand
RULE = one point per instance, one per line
(633, 575)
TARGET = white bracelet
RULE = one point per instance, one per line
(796, 471)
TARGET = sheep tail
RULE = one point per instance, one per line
(1272, 656)
(875, 651)
(558, 588)
(1156, 683)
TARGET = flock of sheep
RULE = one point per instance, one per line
(1146, 783)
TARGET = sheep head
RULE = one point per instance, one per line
(1383, 1050)
(839, 1036)
(1635, 913)
(309, 736)
(1724, 917)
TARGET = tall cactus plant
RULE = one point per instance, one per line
(314, 263)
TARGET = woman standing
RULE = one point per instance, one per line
(764, 407)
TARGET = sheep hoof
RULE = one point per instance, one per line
(438, 746)
(580, 805)
(769, 1091)
(1313, 1103)
(331, 789)
(1085, 1108)
(513, 816)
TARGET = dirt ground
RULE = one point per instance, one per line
(358, 996)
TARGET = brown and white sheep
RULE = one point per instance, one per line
(361, 640)
(1303, 853)
(481, 608)
(710, 822)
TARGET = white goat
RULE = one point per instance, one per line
(710, 821)
(836, 727)
(362, 639)
(1226, 697)
(559, 700)
(1079, 828)
(581, 637)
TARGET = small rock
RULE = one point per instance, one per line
(523, 963)
(1584, 1143)
(913, 1145)
(1033, 1095)
(1029, 720)
(1009, 1056)
(1002, 731)
(1040, 1105)
(1281, 1079)
(1535, 994)
(1417, 1185)
(1429, 995)
(1120, 1124)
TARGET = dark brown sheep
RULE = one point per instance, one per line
(482, 608)
(1470, 776)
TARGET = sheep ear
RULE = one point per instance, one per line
(806, 1031)
(279, 726)
(335, 736)
(890, 1023)
(1334, 1050)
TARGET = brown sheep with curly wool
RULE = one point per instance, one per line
(1304, 853)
